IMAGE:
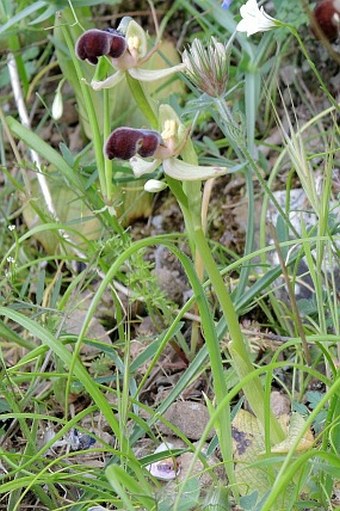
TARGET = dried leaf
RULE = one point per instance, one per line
(248, 443)
(296, 426)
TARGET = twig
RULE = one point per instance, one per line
(23, 115)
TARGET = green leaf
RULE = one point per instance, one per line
(35, 142)
(4, 406)
(31, 9)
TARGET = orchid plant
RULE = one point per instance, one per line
(137, 145)
(167, 144)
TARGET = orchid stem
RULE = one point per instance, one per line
(237, 348)
(92, 117)
(106, 134)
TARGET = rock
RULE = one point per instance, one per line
(279, 403)
(188, 416)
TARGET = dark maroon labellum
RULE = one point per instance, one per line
(95, 43)
(151, 140)
(124, 143)
(327, 16)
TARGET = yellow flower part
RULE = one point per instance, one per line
(169, 129)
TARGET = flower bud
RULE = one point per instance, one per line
(57, 105)
(95, 43)
(207, 67)
(154, 186)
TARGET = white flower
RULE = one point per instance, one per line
(166, 469)
(255, 19)
(11, 227)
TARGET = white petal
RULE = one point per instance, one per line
(249, 8)
(154, 186)
(254, 19)
(178, 169)
(150, 75)
(109, 82)
(141, 167)
(166, 469)
(136, 38)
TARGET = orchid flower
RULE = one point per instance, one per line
(137, 144)
(255, 19)
(127, 48)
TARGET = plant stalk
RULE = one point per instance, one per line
(237, 348)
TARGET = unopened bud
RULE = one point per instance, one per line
(154, 186)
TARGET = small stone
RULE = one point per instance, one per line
(279, 403)
(188, 416)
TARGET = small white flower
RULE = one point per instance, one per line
(154, 186)
(11, 227)
(255, 19)
(10, 260)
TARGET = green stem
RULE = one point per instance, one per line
(92, 116)
(237, 348)
(313, 67)
(106, 133)
(223, 427)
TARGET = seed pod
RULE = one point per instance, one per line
(95, 43)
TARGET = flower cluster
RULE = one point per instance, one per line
(207, 67)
